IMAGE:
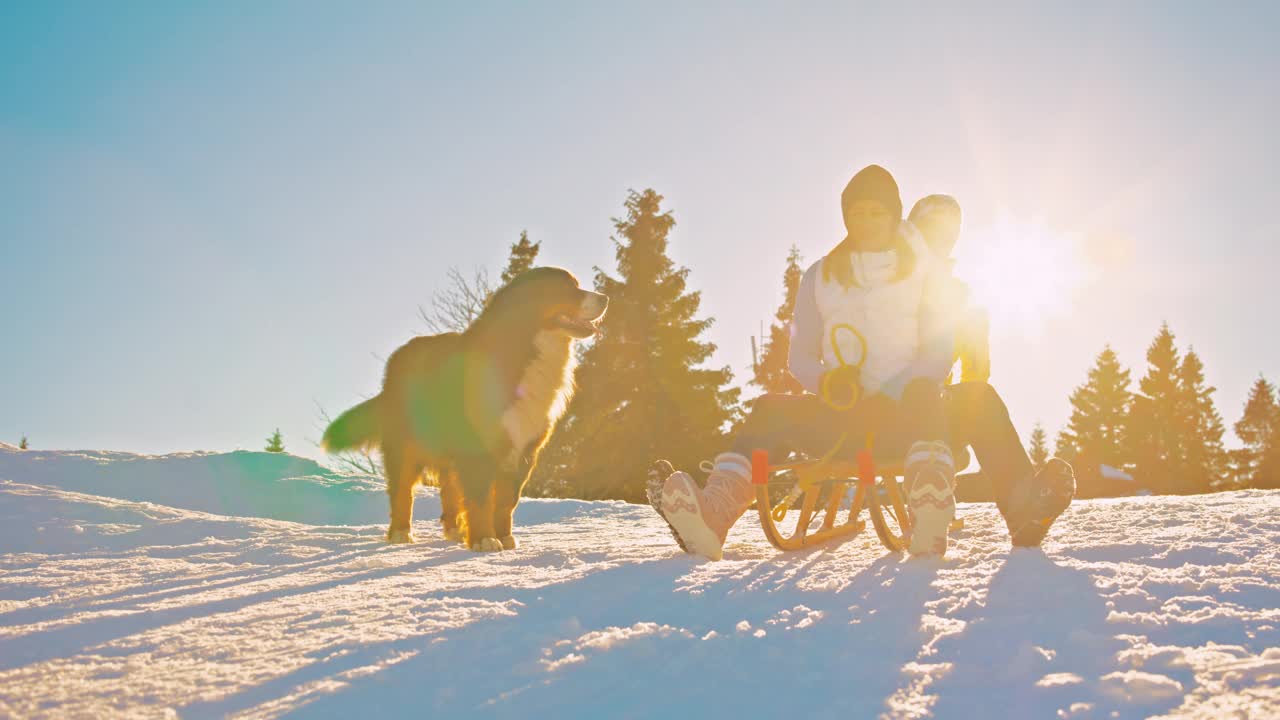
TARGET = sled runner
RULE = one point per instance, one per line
(820, 488)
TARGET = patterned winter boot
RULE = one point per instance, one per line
(659, 471)
(702, 517)
(931, 499)
(1036, 501)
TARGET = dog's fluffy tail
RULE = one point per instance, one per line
(359, 427)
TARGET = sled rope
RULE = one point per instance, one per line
(844, 373)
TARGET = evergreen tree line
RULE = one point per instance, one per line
(1167, 433)
(644, 391)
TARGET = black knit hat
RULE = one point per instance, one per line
(872, 183)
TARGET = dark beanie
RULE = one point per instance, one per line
(872, 183)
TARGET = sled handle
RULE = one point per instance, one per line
(759, 467)
(867, 463)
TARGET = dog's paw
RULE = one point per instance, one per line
(486, 545)
(399, 535)
(509, 542)
(453, 535)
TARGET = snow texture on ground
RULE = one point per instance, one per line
(257, 586)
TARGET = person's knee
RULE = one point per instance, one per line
(923, 409)
(921, 390)
(768, 404)
(988, 400)
(767, 417)
(972, 396)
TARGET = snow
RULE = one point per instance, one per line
(252, 585)
(1111, 473)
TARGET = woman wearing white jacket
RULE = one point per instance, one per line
(873, 287)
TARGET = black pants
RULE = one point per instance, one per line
(979, 419)
(964, 415)
(783, 424)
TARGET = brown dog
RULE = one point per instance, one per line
(474, 409)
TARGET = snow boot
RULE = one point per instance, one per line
(1036, 501)
(702, 517)
(659, 471)
(931, 497)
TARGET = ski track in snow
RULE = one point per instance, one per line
(257, 586)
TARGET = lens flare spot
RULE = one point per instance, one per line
(1023, 273)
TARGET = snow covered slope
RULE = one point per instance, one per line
(254, 585)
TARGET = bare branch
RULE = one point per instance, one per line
(454, 308)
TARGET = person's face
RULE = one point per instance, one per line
(870, 226)
(940, 232)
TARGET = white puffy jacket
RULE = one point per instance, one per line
(907, 335)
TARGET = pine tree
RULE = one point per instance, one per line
(1064, 447)
(1153, 439)
(1096, 431)
(1239, 468)
(523, 254)
(275, 443)
(1268, 476)
(1202, 465)
(22, 444)
(771, 373)
(1039, 447)
(1256, 428)
(643, 394)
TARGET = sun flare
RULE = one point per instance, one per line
(1023, 273)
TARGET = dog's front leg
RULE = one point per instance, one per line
(452, 518)
(506, 495)
(477, 476)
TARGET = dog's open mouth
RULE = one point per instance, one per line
(576, 326)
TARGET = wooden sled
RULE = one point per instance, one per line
(805, 482)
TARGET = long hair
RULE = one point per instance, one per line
(838, 263)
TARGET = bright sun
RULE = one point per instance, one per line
(1023, 273)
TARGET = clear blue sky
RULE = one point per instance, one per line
(215, 215)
